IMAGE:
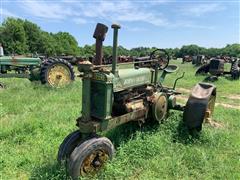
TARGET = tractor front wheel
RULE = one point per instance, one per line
(56, 72)
(68, 145)
(90, 156)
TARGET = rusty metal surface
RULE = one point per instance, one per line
(160, 106)
(99, 126)
(216, 67)
(134, 105)
(99, 35)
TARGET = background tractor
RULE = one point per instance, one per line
(216, 68)
(198, 60)
(52, 71)
(113, 96)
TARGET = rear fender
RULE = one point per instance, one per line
(197, 106)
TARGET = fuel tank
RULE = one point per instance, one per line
(130, 78)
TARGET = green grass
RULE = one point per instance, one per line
(35, 119)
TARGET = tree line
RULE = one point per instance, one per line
(24, 37)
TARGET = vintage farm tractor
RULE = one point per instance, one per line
(113, 96)
(52, 71)
(198, 60)
(216, 68)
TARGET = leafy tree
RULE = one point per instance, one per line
(33, 35)
(22, 36)
(67, 44)
(13, 36)
(189, 50)
(232, 50)
(47, 44)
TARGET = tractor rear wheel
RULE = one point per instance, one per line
(56, 73)
(68, 145)
(90, 156)
(235, 70)
(200, 106)
(2, 86)
(204, 69)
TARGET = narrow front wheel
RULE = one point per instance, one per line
(90, 156)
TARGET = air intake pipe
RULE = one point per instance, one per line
(115, 44)
(99, 35)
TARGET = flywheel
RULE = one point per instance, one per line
(159, 107)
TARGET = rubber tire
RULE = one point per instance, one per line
(235, 70)
(84, 149)
(46, 65)
(2, 86)
(199, 108)
(204, 69)
(68, 145)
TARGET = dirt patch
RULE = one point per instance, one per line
(233, 97)
(183, 90)
(228, 106)
(182, 97)
(214, 123)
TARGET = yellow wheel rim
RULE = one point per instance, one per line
(93, 162)
(59, 75)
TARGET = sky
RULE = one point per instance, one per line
(148, 23)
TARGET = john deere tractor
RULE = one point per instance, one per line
(112, 96)
(52, 71)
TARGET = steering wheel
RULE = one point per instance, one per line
(162, 56)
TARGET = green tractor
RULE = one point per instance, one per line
(112, 96)
(52, 71)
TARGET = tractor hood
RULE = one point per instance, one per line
(19, 60)
(130, 78)
(126, 78)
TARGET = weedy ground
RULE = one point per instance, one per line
(35, 119)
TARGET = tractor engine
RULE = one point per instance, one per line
(132, 99)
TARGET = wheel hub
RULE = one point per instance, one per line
(94, 162)
(59, 75)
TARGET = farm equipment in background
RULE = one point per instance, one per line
(120, 59)
(198, 60)
(112, 96)
(216, 68)
(186, 58)
(51, 71)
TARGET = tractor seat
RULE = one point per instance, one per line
(171, 68)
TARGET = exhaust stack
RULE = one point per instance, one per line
(115, 45)
(99, 35)
(1, 50)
